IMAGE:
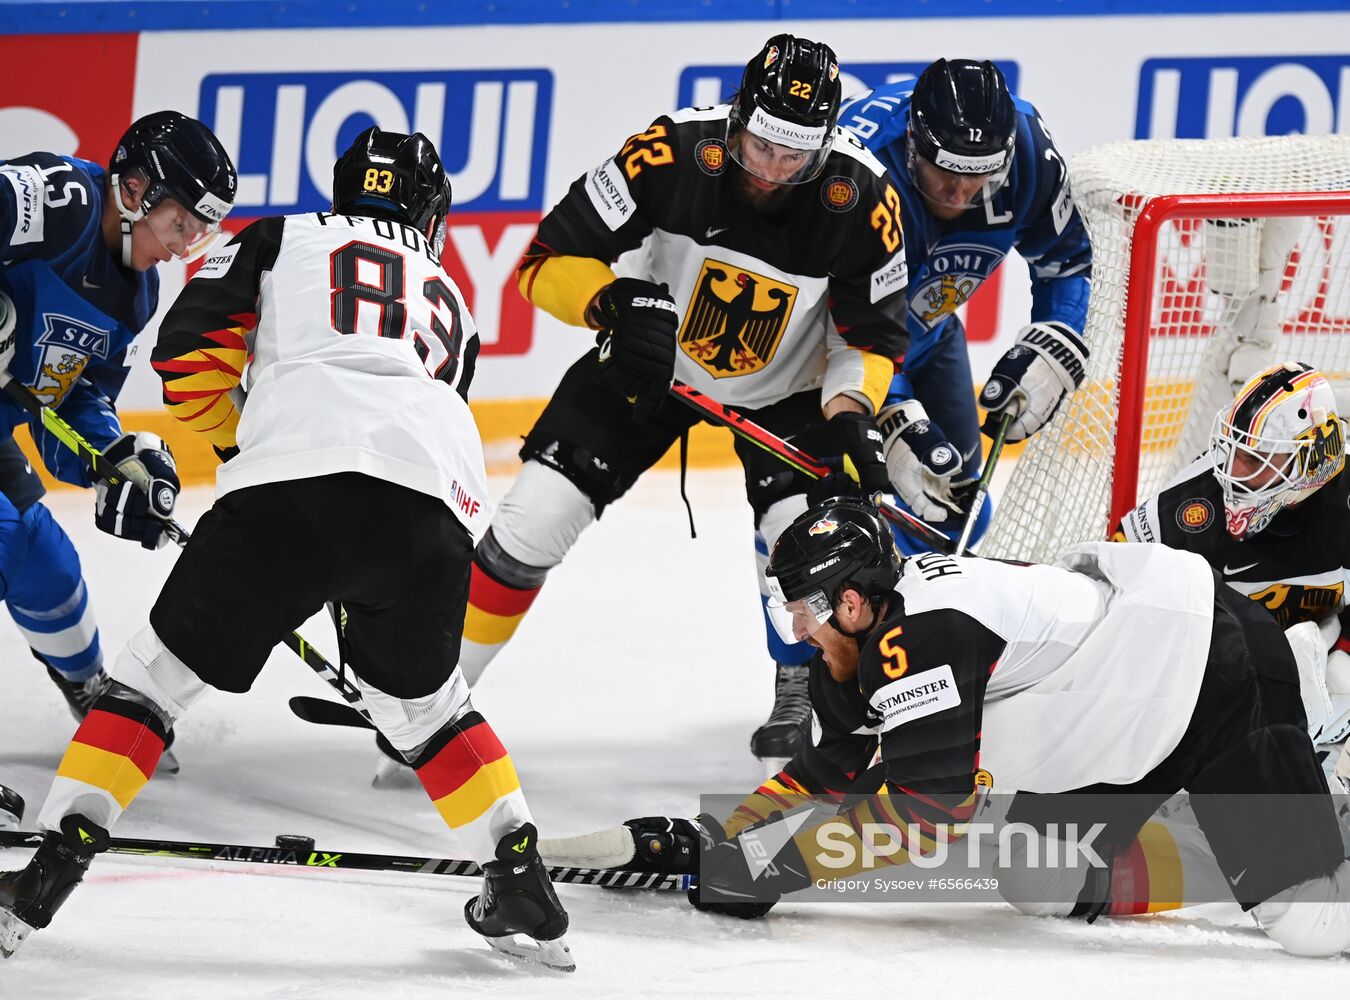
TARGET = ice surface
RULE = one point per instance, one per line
(631, 688)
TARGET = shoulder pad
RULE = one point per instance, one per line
(847, 145)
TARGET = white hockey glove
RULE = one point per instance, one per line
(138, 506)
(1045, 364)
(9, 335)
(920, 461)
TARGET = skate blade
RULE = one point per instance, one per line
(168, 763)
(390, 774)
(550, 954)
(13, 931)
(772, 765)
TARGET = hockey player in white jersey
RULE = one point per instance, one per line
(1122, 670)
(327, 357)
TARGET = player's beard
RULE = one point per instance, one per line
(764, 201)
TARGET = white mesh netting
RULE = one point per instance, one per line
(1232, 293)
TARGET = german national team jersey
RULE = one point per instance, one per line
(359, 352)
(1033, 213)
(1296, 567)
(809, 295)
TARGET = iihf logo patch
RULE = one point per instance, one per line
(1195, 515)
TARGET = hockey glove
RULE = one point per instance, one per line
(857, 436)
(1045, 364)
(638, 321)
(662, 844)
(738, 884)
(9, 335)
(139, 505)
(921, 462)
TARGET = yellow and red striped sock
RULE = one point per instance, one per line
(470, 778)
(110, 759)
(1147, 877)
(493, 614)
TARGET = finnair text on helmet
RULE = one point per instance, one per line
(958, 163)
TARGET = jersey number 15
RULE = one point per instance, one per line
(439, 350)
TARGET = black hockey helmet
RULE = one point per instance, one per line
(176, 157)
(962, 120)
(400, 174)
(789, 96)
(838, 542)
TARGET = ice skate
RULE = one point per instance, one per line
(30, 898)
(790, 721)
(11, 808)
(517, 912)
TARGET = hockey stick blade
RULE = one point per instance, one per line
(323, 712)
(349, 861)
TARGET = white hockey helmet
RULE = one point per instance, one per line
(1278, 443)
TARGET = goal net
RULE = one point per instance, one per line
(1211, 260)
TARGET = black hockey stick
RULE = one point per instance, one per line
(303, 855)
(57, 426)
(323, 712)
(744, 427)
(982, 487)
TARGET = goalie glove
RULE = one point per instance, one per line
(921, 462)
(138, 506)
(1045, 364)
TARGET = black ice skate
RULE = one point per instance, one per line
(82, 695)
(29, 898)
(518, 901)
(79, 695)
(790, 721)
(11, 808)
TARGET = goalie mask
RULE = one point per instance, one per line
(841, 541)
(962, 130)
(781, 127)
(1278, 443)
(187, 181)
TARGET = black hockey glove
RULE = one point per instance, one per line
(856, 434)
(638, 321)
(664, 844)
(737, 885)
(139, 505)
(1045, 364)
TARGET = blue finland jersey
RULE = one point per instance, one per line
(948, 261)
(78, 307)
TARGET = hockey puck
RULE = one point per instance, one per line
(294, 842)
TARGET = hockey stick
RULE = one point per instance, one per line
(745, 428)
(982, 487)
(56, 425)
(303, 855)
(323, 712)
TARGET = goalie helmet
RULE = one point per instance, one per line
(841, 541)
(789, 98)
(963, 127)
(396, 173)
(179, 160)
(1278, 443)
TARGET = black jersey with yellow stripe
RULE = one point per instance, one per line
(776, 294)
(1296, 567)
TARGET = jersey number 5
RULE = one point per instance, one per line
(894, 663)
(440, 350)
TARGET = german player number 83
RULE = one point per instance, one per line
(377, 180)
(439, 347)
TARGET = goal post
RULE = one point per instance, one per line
(1211, 260)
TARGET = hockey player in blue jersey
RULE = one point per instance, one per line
(78, 248)
(978, 176)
